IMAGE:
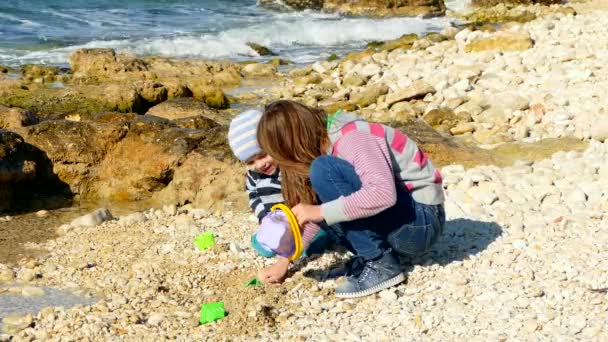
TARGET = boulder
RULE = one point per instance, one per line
(260, 49)
(259, 70)
(74, 148)
(313, 78)
(368, 95)
(213, 96)
(205, 182)
(104, 62)
(441, 119)
(353, 80)
(25, 172)
(32, 72)
(502, 41)
(417, 89)
(187, 108)
(11, 118)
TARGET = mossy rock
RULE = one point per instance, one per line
(435, 37)
(32, 71)
(280, 61)
(332, 57)
(261, 49)
(498, 15)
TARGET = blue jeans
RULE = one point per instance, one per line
(408, 228)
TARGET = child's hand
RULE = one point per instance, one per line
(307, 213)
(275, 273)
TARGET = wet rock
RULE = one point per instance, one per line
(363, 8)
(504, 41)
(11, 118)
(260, 49)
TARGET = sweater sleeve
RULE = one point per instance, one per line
(309, 231)
(370, 157)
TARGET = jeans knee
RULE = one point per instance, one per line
(319, 169)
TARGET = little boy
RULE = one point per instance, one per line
(263, 180)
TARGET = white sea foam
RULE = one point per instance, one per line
(294, 35)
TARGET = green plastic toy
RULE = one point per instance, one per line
(204, 241)
(211, 312)
(254, 282)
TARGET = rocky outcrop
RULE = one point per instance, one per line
(490, 3)
(379, 8)
(25, 173)
(128, 157)
(11, 118)
(186, 108)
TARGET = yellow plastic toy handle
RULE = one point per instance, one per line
(295, 229)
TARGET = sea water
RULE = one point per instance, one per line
(47, 31)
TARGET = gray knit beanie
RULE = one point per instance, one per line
(242, 134)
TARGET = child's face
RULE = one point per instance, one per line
(262, 163)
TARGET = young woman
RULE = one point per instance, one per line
(374, 188)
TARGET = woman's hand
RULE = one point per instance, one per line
(307, 213)
(275, 273)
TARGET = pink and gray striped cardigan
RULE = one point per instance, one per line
(384, 158)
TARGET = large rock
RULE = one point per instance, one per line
(74, 148)
(11, 118)
(104, 62)
(381, 8)
(259, 70)
(185, 108)
(418, 89)
(368, 95)
(503, 41)
(25, 172)
(206, 182)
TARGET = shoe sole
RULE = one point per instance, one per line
(377, 288)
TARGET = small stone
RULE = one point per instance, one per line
(462, 128)
(155, 319)
(388, 296)
(170, 209)
(14, 324)
(42, 213)
(530, 326)
(30, 291)
(26, 274)
(93, 219)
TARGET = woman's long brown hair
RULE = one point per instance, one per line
(293, 135)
